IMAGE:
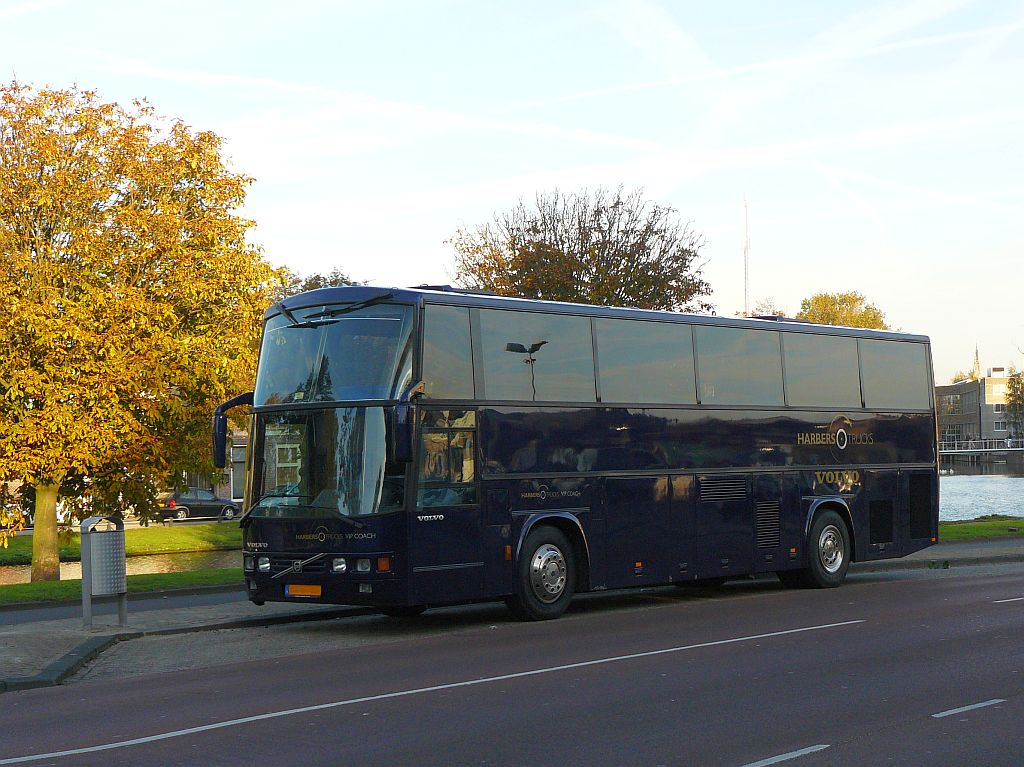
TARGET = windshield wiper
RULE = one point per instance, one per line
(286, 312)
(354, 307)
(295, 322)
(246, 519)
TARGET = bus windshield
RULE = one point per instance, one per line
(332, 355)
(324, 464)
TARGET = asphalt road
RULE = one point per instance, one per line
(904, 668)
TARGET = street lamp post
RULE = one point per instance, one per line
(529, 352)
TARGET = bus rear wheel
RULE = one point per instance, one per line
(545, 576)
(828, 553)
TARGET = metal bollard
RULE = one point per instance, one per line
(103, 567)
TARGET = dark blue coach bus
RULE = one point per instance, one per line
(418, 447)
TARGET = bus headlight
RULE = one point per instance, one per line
(339, 565)
(363, 565)
(248, 564)
(263, 563)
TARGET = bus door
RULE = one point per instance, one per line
(445, 528)
(725, 526)
(637, 531)
(683, 537)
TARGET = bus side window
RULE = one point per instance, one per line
(461, 456)
(434, 467)
(447, 354)
(447, 473)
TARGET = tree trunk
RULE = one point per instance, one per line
(45, 550)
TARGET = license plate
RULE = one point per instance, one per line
(301, 590)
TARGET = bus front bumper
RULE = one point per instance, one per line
(325, 590)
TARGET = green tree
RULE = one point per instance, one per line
(848, 309)
(604, 247)
(1015, 402)
(132, 301)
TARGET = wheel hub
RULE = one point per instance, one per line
(548, 573)
(830, 549)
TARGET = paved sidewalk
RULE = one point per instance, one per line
(44, 653)
(957, 553)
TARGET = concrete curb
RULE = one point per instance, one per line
(941, 563)
(66, 665)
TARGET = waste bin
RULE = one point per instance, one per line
(103, 566)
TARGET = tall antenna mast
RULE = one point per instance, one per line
(746, 261)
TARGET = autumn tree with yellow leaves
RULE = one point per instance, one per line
(130, 301)
(606, 247)
(850, 309)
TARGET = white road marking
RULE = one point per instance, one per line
(405, 693)
(788, 756)
(973, 706)
(1015, 599)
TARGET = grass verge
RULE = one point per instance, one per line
(992, 526)
(71, 590)
(156, 539)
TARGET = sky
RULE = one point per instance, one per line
(879, 146)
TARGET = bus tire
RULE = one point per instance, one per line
(404, 611)
(828, 552)
(545, 576)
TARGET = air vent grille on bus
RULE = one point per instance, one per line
(767, 524)
(723, 488)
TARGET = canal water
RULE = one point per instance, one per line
(971, 491)
(154, 563)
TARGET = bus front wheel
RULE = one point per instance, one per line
(545, 576)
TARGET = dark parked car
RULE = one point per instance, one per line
(195, 502)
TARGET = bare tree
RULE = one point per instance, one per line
(766, 307)
(605, 247)
(291, 283)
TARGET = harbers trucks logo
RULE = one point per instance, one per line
(839, 435)
(543, 493)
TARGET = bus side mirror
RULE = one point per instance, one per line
(220, 427)
(400, 444)
(220, 440)
(402, 417)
